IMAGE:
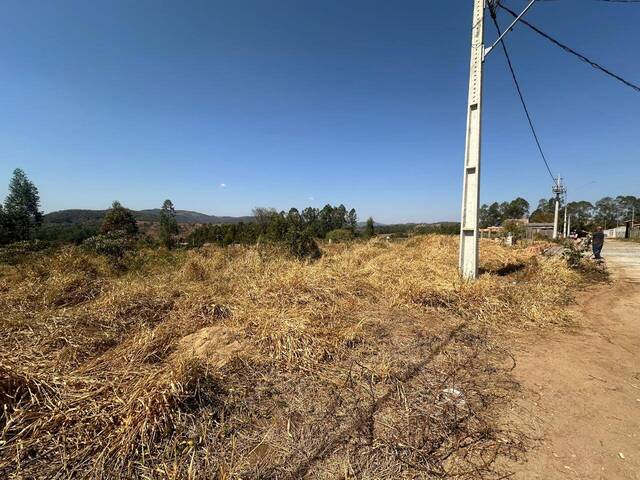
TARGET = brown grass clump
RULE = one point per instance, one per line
(66, 279)
(372, 362)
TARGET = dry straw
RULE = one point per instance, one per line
(245, 363)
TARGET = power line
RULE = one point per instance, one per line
(517, 84)
(573, 52)
(606, 1)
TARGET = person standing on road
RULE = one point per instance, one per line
(597, 242)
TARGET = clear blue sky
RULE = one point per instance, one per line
(296, 103)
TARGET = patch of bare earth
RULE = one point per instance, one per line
(580, 392)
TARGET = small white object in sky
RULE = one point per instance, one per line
(223, 185)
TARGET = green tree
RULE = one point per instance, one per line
(310, 215)
(370, 230)
(230, 235)
(483, 216)
(4, 227)
(490, 216)
(168, 224)
(263, 217)
(119, 219)
(311, 221)
(325, 220)
(496, 214)
(277, 228)
(21, 216)
(581, 214)
(545, 211)
(352, 217)
(294, 219)
(339, 217)
(607, 212)
(516, 209)
(626, 204)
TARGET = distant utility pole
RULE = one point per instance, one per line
(471, 184)
(559, 190)
(565, 232)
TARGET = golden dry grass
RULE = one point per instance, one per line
(245, 363)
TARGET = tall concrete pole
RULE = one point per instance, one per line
(558, 189)
(471, 186)
(555, 220)
(569, 226)
(564, 225)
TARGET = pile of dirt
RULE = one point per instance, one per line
(216, 345)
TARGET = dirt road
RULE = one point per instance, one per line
(581, 390)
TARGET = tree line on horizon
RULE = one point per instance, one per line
(607, 212)
(296, 228)
(21, 220)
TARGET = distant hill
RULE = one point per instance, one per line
(76, 216)
(375, 224)
(94, 217)
(410, 224)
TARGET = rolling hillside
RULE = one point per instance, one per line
(78, 216)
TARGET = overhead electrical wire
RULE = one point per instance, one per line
(572, 51)
(520, 94)
(605, 1)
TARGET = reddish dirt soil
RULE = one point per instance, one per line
(580, 396)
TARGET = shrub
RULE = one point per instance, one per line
(340, 235)
(113, 244)
(302, 245)
(119, 218)
(59, 234)
(517, 230)
(14, 253)
(369, 229)
(572, 254)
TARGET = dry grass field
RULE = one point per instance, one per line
(375, 361)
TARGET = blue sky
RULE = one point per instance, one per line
(296, 103)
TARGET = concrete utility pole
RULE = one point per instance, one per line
(558, 189)
(565, 232)
(555, 219)
(569, 226)
(471, 184)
